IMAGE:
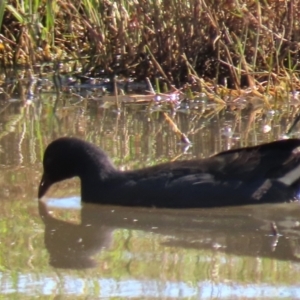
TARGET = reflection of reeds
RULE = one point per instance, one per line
(248, 43)
(136, 136)
(138, 132)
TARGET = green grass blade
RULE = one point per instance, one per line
(15, 13)
(2, 8)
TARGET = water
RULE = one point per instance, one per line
(60, 248)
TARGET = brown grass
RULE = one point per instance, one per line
(236, 43)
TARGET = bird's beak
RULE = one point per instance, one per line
(44, 186)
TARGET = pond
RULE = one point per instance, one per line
(57, 248)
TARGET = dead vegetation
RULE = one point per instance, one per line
(234, 43)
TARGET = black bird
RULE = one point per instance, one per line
(261, 174)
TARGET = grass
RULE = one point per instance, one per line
(238, 44)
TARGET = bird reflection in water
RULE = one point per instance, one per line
(242, 231)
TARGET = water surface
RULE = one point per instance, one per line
(58, 247)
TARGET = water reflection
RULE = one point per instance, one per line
(72, 286)
(242, 231)
(135, 136)
(101, 251)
